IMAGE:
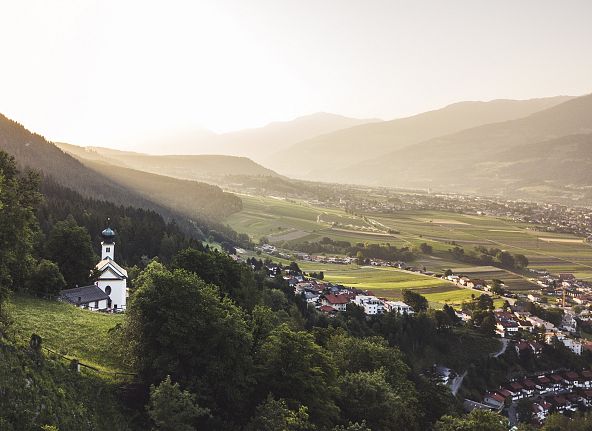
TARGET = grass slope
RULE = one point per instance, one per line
(71, 331)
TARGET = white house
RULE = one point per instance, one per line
(371, 304)
(112, 278)
(573, 345)
(494, 399)
(538, 322)
(338, 302)
(398, 307)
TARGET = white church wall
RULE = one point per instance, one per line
(118, 293)
(101, 305)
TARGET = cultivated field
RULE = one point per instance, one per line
(556, 252)
(513, 281)
(390, 282)
(295, 222)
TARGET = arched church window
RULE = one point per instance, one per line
(108, 290)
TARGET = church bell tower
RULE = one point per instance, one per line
(112, 278)
(108, 244)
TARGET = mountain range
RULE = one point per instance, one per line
(323, 157)
(538, 149)
(256, 143)
(545, 150)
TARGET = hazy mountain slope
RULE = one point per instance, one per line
(559, 162)
(185, 196)
(487, 157)
(32, 150)
(319, 157)
(199, 167)
(256, 143)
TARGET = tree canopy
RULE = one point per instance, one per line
(69, 246)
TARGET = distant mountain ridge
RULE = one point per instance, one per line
(256, 143)
(321, 157)
(208, 168)
(549, 148)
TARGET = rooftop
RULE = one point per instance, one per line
(83, 295)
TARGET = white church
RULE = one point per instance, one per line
(110, 291)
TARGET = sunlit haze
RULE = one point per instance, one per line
(114, 73)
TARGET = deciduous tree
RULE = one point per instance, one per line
(173, 409)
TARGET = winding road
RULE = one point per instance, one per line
(501, 351)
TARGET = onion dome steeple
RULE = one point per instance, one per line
(108, 234)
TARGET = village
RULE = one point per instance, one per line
(558, 312)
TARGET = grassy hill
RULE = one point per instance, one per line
(41, 389)
(88, 337)
(208, 168)
(323, 157)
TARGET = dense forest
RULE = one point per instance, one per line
(142, 233)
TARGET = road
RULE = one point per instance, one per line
(501, 351)
(512, 416)
(456, 383)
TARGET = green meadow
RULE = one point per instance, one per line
(390, 283)
(70, 331)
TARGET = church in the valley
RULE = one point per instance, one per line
(110, 290)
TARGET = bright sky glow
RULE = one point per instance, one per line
(113, 73)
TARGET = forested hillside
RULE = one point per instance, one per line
(196, 200)
(142, 233)
(205, 167)
(190, 198)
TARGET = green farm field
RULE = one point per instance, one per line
(554, 252)
(390, 282)
(68, 330)
(297, 221)
(294, 222)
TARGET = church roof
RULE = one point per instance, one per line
(109, 263)
(83, 295)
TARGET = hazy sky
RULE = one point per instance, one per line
(112, 72)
